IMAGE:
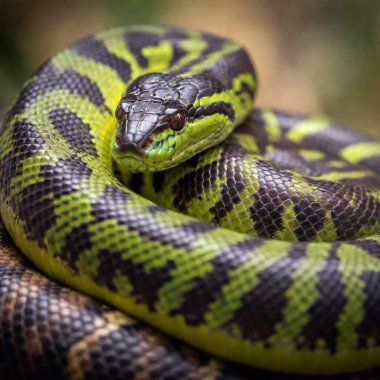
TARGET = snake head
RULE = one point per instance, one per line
(165, 119)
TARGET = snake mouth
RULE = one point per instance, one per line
(149, 140)
(149, 160)
(128, 150)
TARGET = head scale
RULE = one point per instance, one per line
(160, 120)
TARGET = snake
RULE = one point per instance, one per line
(134, 169)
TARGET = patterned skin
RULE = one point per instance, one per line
(48, 331)
(301, 304)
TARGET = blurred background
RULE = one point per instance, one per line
(311, 56)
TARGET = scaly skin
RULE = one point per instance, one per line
(307, 307)
(48, 331)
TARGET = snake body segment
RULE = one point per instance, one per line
(308, 303)
(48, 331)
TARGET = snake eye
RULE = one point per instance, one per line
(177, 121)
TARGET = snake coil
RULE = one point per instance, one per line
(276, 264)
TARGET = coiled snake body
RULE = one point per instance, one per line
(293, 288)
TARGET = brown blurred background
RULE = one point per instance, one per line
(311, 56)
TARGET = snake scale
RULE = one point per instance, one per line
(261, 248)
